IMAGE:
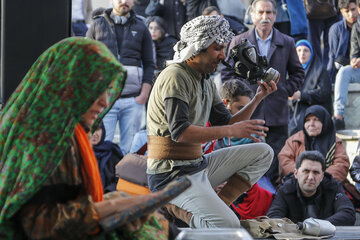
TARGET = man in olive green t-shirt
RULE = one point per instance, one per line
(182, 101)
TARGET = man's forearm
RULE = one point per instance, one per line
(144, 94)
(243, 129)
(196, 134)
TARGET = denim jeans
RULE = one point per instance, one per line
(129, 113)
(346, 75)
(250, 161)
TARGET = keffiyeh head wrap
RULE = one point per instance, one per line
(198, 34)
(39, 119)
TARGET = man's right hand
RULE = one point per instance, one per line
(355, 62)
(245, 129)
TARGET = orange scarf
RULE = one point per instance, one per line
(89, 168)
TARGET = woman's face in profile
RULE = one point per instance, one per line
(93, 112)
(304, 54)
(313, 126)
(96, 137)
(155, 31)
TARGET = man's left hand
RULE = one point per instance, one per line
(141, 99)
(296, 96)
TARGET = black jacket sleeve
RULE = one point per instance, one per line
(354, 41)
(278, 208)
(344, 212)
(321, 93)
(154, 8)
(147, 58)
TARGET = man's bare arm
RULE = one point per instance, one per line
(243, 129)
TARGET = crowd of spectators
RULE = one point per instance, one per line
(289, 34)
(251, 148)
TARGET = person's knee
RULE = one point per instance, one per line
(268, 154)
(344, 72)
(218, 221)
(231, 221)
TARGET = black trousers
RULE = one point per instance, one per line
(276, 137)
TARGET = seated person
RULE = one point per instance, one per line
(346, 75)
(318, 134)
(108, 154)
(162, 41)
(235, 95)
(316, 89)
(311, 192)
(339, 37)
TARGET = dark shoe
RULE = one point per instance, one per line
(339, 124)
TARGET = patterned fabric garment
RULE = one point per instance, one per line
(39, 119)
(61, 209)
(76, 219)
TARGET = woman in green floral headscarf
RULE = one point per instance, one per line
(49, 182)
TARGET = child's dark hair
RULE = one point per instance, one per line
(345, 3)
(234, 88)
(210, 9)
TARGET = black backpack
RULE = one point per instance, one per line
(320, 9)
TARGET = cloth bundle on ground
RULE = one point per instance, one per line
(131, 171)
(279, 228)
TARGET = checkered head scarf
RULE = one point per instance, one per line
(198, 34)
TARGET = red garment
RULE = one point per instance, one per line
(256, 204)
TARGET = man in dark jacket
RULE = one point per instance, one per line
(129, 40)
(281, 55)
(311, 192)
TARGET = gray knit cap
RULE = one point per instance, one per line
(198, 34)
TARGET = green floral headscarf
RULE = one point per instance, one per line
(39, 119)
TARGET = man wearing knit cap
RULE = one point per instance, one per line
(182, 101)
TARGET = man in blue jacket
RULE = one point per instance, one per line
(347, 74)
(311, 192)
(129, 40)
(339, 37)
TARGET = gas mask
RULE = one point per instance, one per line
(250, 65)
